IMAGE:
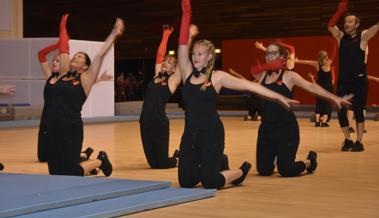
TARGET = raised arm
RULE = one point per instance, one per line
(259, 45)
(307, 62)
(368, 34)
(295, 79)
(333, 29)
(185, 65)
(167, 31)
(63, 46)
(46, 69)
(176, 78)
(89, 77)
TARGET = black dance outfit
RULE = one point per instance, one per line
(154, 125)
(202, 144)
(352, 78)
(278, 135)
(41, 150)
(64, 126)
(324, 79)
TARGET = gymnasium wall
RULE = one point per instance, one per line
(240, 55)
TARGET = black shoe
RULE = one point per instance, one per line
(106, 165)
(357, 147)
(364, 131)
(312, 156)
(324, 125)
(351, 130)
(347, 145)
(1, 166)
(245, 167)
(176, 154)
(317, 124)
(225, 163)
(88, 153)
(93, 172)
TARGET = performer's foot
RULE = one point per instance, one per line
(347, 145)
(88, 152)
(1, 166)
(245, 167)
(317, 124)
(106, 165)
(357, 147)
(93, 172)
(312, 156)
(324, 125)
(225, 163)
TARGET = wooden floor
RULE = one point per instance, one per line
(345, 184)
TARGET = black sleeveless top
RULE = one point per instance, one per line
(324, 77)
(47, 97)
(155, 100)
(273, 113)
(352, 58)
(201, 111)
(67, 99)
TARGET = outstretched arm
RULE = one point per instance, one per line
(232, 82)
(46, 69)
(373, 78)
(89, 77)
(185, 65)
(307, 62)
(333, 29)
(295, 79)
(167, 31)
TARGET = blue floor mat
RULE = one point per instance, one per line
(126, 205)
(26, 193)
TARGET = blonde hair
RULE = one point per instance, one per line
(322, 57)
(211, 62)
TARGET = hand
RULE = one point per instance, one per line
(7, 89)
(119, 27)
(344, 101)
(194, 30)
(310, 75)
(167, 30)
(258, 44)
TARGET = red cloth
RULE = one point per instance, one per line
(272, 66)
(43, 52)
(63, 36)
(163, 46)
(186, 22)
(342, 7)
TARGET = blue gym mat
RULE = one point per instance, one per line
(26, 193)
(126, 205)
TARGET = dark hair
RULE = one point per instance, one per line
(282, 51)
(88, 60)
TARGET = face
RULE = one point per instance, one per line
(78, 62)
(168, 65)
(55, 64)
(272, 53)
(351, 24)
(200, 56)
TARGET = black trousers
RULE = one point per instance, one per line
(155, 141)
(359, 88)
(201, 157)
(64, 144)
(279, 141)
(42, 141)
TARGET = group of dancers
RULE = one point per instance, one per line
(201, 157)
